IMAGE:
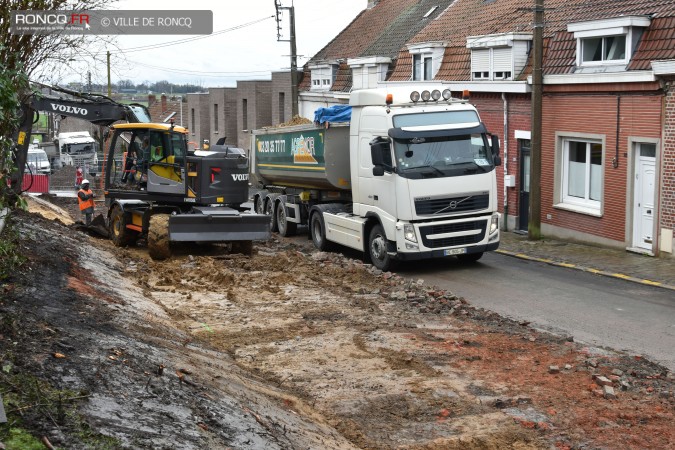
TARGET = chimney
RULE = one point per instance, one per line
(151, 99)
(163, 103)
(372, 4)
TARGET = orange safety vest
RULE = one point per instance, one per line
(84, 204)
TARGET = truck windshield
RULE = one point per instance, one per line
(81, 149)
(445, 156)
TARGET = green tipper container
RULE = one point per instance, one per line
(303, 156)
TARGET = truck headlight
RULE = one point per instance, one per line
(494, 224)
(409, 232)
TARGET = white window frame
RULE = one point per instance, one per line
(495, 46)
(323, 76)
(584, 205)
(627, 26)
(426, 60)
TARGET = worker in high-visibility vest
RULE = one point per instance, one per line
(85, 198)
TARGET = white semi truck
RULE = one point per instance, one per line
(411, 176)
(80, 149)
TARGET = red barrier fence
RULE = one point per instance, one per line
(35, 183)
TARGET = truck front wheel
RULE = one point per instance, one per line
(377, 249)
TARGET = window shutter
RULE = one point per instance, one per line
(501, 59)
(480, 60)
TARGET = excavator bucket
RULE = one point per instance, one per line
(98, 226)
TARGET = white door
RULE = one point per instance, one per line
(645, 180)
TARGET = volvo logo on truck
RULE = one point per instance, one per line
(240, 176)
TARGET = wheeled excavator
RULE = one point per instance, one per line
(161, 191)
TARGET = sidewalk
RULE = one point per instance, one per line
(650, 270)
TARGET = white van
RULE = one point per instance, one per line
(37, 162)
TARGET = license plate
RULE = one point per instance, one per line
(455, 251)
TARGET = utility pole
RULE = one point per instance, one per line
(109, 84)
(294, 56)
(534, 220)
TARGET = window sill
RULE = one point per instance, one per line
(579, 209)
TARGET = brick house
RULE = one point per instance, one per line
(198, 119)
(608, 139)
(167, 108)
(362, 55)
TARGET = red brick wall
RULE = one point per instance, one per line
(596, 114)
(491, 110)
(668, 162)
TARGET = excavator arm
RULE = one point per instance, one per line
(95, 108)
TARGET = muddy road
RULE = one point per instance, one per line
(295, 348)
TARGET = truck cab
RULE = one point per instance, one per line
(427, 173)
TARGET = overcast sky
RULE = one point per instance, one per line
(248, 52)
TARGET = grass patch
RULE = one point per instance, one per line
(11, 258)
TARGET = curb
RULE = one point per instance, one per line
(587, 269)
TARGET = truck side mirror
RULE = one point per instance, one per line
(495, 150)
(379, 147)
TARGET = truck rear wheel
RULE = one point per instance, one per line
(119, 233)
(159, 246)
(377, 249)
(285, 227)
(259, 204)
(317, 230)
(269, 210)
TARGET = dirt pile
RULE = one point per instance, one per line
(295, 348)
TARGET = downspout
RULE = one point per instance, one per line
(506, 161)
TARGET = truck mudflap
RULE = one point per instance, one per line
(218, 224)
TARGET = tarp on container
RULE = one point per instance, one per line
(335, 113)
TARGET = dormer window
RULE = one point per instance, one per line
(323, 76)
(427, 58)
(498, 57)
(369, 71)
(607, 42)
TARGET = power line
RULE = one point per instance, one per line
(183, 41)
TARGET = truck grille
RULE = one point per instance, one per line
(425, 231)
(448, 205)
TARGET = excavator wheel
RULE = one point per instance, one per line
(159, 246)
(119, 233)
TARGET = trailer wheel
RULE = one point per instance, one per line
(242, 247)
(470, 257)
(317, 230)
(377, 249)
(285, 227)
(258, 204)
(119, 233)
(159, 246)
(269, 210)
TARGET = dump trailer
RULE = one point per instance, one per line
(410, 176)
